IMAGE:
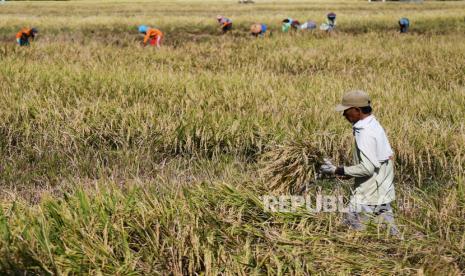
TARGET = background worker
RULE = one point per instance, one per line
(331, 19)
(373, 169)
(258, 29)
(152, 36)
(290, 23)
(226, 23)
(23, 36)
(404, 24)
(330, 22)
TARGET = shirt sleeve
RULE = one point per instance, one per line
(147, 37)
(363, 169)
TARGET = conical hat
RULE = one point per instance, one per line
(256, 28)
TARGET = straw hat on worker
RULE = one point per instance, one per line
(373, 168)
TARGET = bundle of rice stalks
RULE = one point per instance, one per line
(291, 167)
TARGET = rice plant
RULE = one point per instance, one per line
(122, 160)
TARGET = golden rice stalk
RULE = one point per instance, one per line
(291, 167)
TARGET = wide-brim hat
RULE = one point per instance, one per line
(354, 98)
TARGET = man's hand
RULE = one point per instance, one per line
(328, 168)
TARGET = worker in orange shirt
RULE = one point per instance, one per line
(152, 36)
(23, 36)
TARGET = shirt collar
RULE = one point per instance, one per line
(363, 123)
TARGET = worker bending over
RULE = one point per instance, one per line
(290, 24)
(404, 24)
(152, 36)
(330, 24)
(258, 30)
(226, 23)
(23, 36)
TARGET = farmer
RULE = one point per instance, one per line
(226, 23)
(23, 36)
(290, 23)
(152, 36)
(330, 22)
(258, 30)
(404, 23)
(331, 19)
(373, 169)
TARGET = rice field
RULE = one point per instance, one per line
(123, 160)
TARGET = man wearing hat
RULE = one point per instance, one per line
(373, 169)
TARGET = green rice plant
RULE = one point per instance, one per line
(213, 227)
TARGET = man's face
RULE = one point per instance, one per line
(352, 114)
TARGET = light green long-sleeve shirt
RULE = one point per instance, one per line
(373, 186)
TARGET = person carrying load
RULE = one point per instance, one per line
(373, 168)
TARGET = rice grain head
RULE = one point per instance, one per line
(291, 167)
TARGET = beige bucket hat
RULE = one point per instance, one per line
(354, 98)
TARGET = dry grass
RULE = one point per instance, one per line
(123, 160)
(291, 168)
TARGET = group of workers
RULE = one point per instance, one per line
(154, 37)
(292, 24)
